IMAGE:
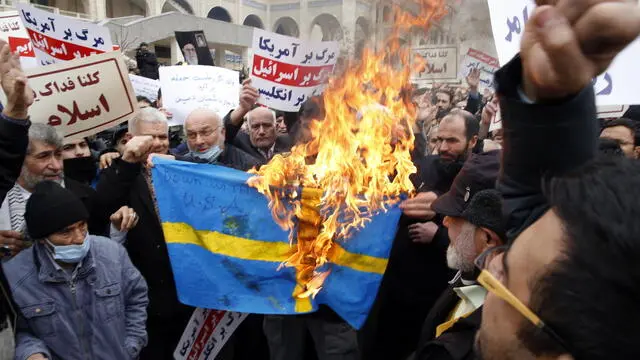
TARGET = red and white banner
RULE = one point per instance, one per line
(487, 64)
(206, 334)
(287, 71)
(13, 32)
(58, 38)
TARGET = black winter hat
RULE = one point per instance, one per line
(52, 208)
(485, 210)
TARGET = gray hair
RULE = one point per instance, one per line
(44, 133)
(273, 114)
(147, 115)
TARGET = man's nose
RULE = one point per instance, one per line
(55, 164)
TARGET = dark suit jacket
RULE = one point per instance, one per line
(14, 138)
(241, 140)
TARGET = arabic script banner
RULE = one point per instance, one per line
(186, 88)
(82, 97)
(58, 38)
(442, 63)
(206, 333)
(287, 71)
(13, 32)
(619, 85)
(487, 65)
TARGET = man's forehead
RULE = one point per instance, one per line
(41, 146)
(74, 142)
(620, 131)
(533, 252)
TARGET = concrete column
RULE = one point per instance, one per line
(304, 24)
(176, 54)
(239, 12)
(220, 56)
(349, 16)
(96, 9)
(246, 60)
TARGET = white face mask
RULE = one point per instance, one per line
(211, 155)
(70, 254)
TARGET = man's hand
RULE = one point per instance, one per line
(167, 113)
(14, 84)
(124, 219)
(106, 159)
(13, 241)
(489, 111)
(426, 111)
(566, 45)
(420, 206)
(248, 98)
(137, 149)
(38, 356)
(423, 232)
(473, 80)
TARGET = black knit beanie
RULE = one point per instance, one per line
(485, 210)
(52, 208)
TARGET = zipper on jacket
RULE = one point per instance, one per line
(72, 286)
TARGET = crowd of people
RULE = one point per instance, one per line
(519, 243)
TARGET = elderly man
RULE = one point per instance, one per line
(125, 182)
(565, 287)
(262, 141)
(43, 161)
(205, 133)
(473, 217)
(79, 294)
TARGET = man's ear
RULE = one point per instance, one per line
(473, 142)
(490, 238)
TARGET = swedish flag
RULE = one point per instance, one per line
(225, 247)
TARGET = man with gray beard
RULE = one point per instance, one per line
(473, 217)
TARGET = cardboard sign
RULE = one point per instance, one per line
(619, 85)
(146, 87)
(187, 88)
(206, 334)
(58, 38)
(442, 63)
(288, 71)
(82, 97)
(13, 32)
(487, 65)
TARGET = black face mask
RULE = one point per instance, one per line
(81, 169)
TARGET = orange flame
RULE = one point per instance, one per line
(361, 150)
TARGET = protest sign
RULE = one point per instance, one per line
(441, 63)
(186, 88)
(58, 38)
(146, 87)
(84, 96)
(618, 85)
(206, 334)
(14, 33)
(487, 65)
(287, 71)
(496, 122)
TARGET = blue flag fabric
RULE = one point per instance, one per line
(226, 249)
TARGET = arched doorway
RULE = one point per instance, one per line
(177, 5)
(286, 26)
(325, 27)
(219, 13)
(253, 21)
(120, 8)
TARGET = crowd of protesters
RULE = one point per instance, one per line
(520, 243)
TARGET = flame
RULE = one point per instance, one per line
(361, 150)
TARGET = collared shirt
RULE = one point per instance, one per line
(268, 154)
(471, 298)
(67, 271)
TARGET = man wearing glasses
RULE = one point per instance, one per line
(567, 288)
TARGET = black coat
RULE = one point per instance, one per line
(242, 141)
(147, 64)
(415, 277)
(539, 140)
(14, 138)
(98, 224)
(454, 344)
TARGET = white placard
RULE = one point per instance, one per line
(619, 85)
(145, 87)
(82, 97)
(206, 334)
(13, 32)
(487, 64)
(441, 63)
(58, 38)
(287, 71)
(190, 87)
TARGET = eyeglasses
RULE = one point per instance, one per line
(192, 135)
(490, 282)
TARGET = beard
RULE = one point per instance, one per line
(31, 180)
(191, 59)
(462, 252)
